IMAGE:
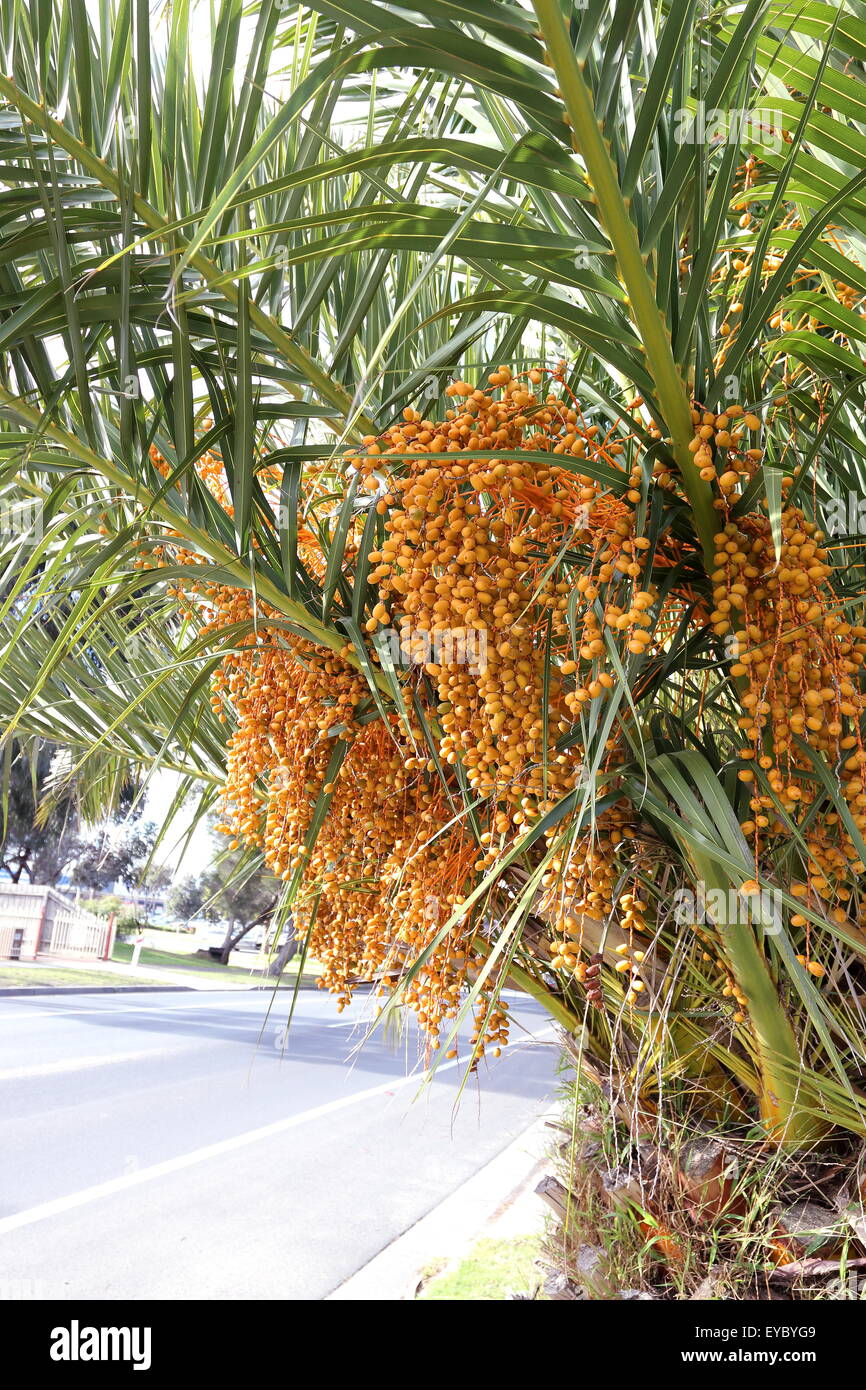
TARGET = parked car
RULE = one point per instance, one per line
(253, 941)
(210, 936)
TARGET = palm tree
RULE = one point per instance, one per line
(239, 299)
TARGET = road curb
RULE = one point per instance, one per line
(232, 988)
(456, 1223)
(97, 989)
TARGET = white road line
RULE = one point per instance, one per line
(224, 1146)
(171, 1024)
(245, 1027)
(101, 1060)
(45, 1012)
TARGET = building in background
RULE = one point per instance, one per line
(38, 923)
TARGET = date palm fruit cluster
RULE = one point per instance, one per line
(511, 571)
(798, 662)
(795, 313)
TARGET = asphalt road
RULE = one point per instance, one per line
(170, 1146)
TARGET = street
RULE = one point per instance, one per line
(167, 1145)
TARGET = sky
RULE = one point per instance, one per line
(199, 852)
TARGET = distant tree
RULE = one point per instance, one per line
(246, 898)
(43, 836)
(288, 948)
(130, 920)
(104, 905)
(110, 854)
(32, 851)
(157, 879)
(186, 898)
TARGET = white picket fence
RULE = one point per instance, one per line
(38, 922)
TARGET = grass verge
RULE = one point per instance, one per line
(491, 1271)
(174, 960)
(47, 976)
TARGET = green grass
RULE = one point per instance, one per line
(19, 977)
(22, 976)
(491, 1271)
(172, 960)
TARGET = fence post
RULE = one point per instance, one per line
(109, 937)
(41, 928)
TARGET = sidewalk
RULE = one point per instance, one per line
(187, 976)
(499, 1201)
(119, 976)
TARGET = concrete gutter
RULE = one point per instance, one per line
(498, 1201)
